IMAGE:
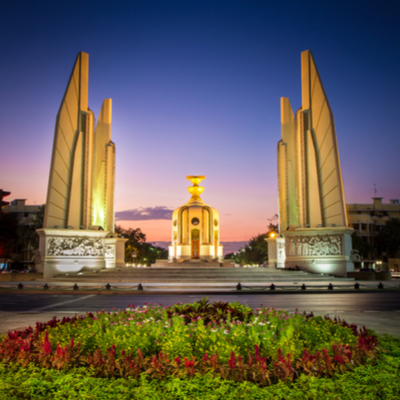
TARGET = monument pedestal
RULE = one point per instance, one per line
(195, 228)
(184, 252)
(115, 252)
(70, 251)
(276, 251)
(319, 250)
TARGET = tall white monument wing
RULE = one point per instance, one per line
(67, 142)
(80, 195)
(314, 235)
(287, 176)
(321, 127)
(103, 171)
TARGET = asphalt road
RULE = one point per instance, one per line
(377, 311)
(316, 302)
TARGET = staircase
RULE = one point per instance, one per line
(199, 277)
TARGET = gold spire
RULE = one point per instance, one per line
(195, 190)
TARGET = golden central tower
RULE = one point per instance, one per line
(195, 228)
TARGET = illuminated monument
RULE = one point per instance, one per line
(78, 229)
(195, 228)
(313, 226)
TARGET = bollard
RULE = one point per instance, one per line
(357, 285)
(75, 287)
(303, 287)
(330, 287)
(239, 286)
(272, 287)
(380, 286)
(108, 286)
(20, 286)
(46, 286)
(140, 287)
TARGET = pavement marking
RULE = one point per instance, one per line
(332, 312)
(62, 303)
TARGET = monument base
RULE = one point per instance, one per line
(316, 250)
(70, 251)
(115, 252)
(184, 252)
(276, 251)
(319, 250)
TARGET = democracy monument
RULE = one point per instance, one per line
(313, 228)
(195, 229)
(78, 232)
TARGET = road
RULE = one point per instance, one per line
(347, 302)
(378, 311)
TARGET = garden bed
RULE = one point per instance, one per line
(198, 350)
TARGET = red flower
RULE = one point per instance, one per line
(47, 344)
(232, 360)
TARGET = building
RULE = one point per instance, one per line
(313, 227)
(195, 229)
(368, 220)
(26, 216)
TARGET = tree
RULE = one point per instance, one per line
(39, 218)
(273, 227)
(18, 238)
(254, 253)
(358, 243)
(8, 235)
(28, 239)
(3, 203)
(148, 253)
(229, 256)
(137, 248)
(135, 238)
(389, 237)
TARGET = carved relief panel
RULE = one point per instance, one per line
(110, 252)
(75, 247)
(314, 246)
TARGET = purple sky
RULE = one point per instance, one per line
(196, 88)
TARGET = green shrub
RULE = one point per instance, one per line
(194, 345)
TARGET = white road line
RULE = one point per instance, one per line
(332, 312)
(62, 303)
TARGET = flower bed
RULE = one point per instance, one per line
(230, 340)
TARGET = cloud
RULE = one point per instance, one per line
(144, 213)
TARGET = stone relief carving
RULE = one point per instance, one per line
(281, 251)
(314, 246)
(77, 247)
(355, 256)
(36, 257)
(110, 251)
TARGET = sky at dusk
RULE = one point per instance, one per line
(196, 89)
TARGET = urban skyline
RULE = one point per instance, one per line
(196, 90)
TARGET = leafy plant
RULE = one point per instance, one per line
(263, 346)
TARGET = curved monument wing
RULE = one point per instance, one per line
(103, 171)
(323, 133)
(287, 168)
(67, 142)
